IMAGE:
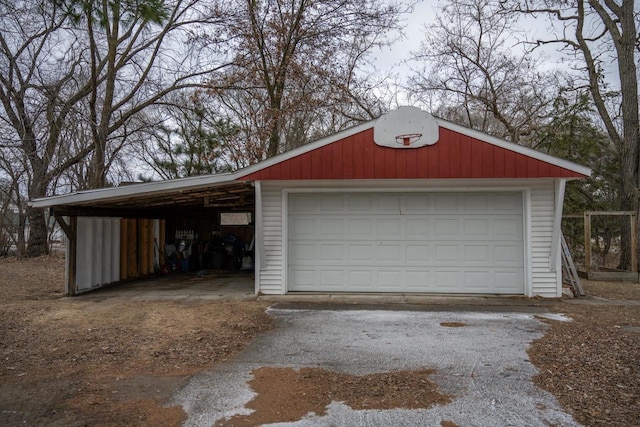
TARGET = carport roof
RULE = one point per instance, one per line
(208, 190)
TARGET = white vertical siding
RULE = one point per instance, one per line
(544, 278)
(98, 252)
(271, 266)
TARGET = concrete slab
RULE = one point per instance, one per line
(302, 298)
(484, 365)
(368, 298)
(236, 286)
(410, 299)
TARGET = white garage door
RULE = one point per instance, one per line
(406, 242)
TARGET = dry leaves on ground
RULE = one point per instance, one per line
(71, 361)
(613, 290)
(591, 364)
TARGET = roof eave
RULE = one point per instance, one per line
(117, 193)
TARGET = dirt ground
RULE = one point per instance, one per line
(73, 362)
(592, 364)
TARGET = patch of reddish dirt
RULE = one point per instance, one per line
(286, 395)
(452, 324)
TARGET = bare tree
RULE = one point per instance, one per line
(39, 89)
(295, 59)
(595, 34)
(471, 66)
(137, 55)
(74, 74)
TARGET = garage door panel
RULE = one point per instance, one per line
(446, 254)
(412, 242)
(303, 253)
(418, 228)
(331, 278)
(505, 281)
(390, 228)
(478, 227)
(476, 202)
(508, 254)
(331, 227)
(303, 228)
(445, 202)
(506, 202)
(477, 254)
(418, 253)
(359, 253)
(509, 227)
(305, 279)
(360, 279)
(416, 203)
(331, 203)
(303, 203)
(390, 280)
(388, 203)
(360, 202)
(477, 281)
(360, 228)
(332, 252)
(446, 280)
(390, 253)
(417, 279)
(446, 227)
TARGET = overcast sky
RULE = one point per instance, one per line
(394, 57)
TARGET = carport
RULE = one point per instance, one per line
(123, 233)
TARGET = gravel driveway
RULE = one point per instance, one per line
(482, 364)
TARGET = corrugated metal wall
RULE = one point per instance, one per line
(98, 252)
(114, 249)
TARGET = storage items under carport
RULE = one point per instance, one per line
(206, 242)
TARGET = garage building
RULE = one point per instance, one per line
(403, 204)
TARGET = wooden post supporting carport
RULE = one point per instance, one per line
(71, 231)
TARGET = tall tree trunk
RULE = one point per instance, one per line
(619, 21)
(21, 242)
(37, 243)
(625, 43)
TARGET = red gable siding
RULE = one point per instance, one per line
(453, 156)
